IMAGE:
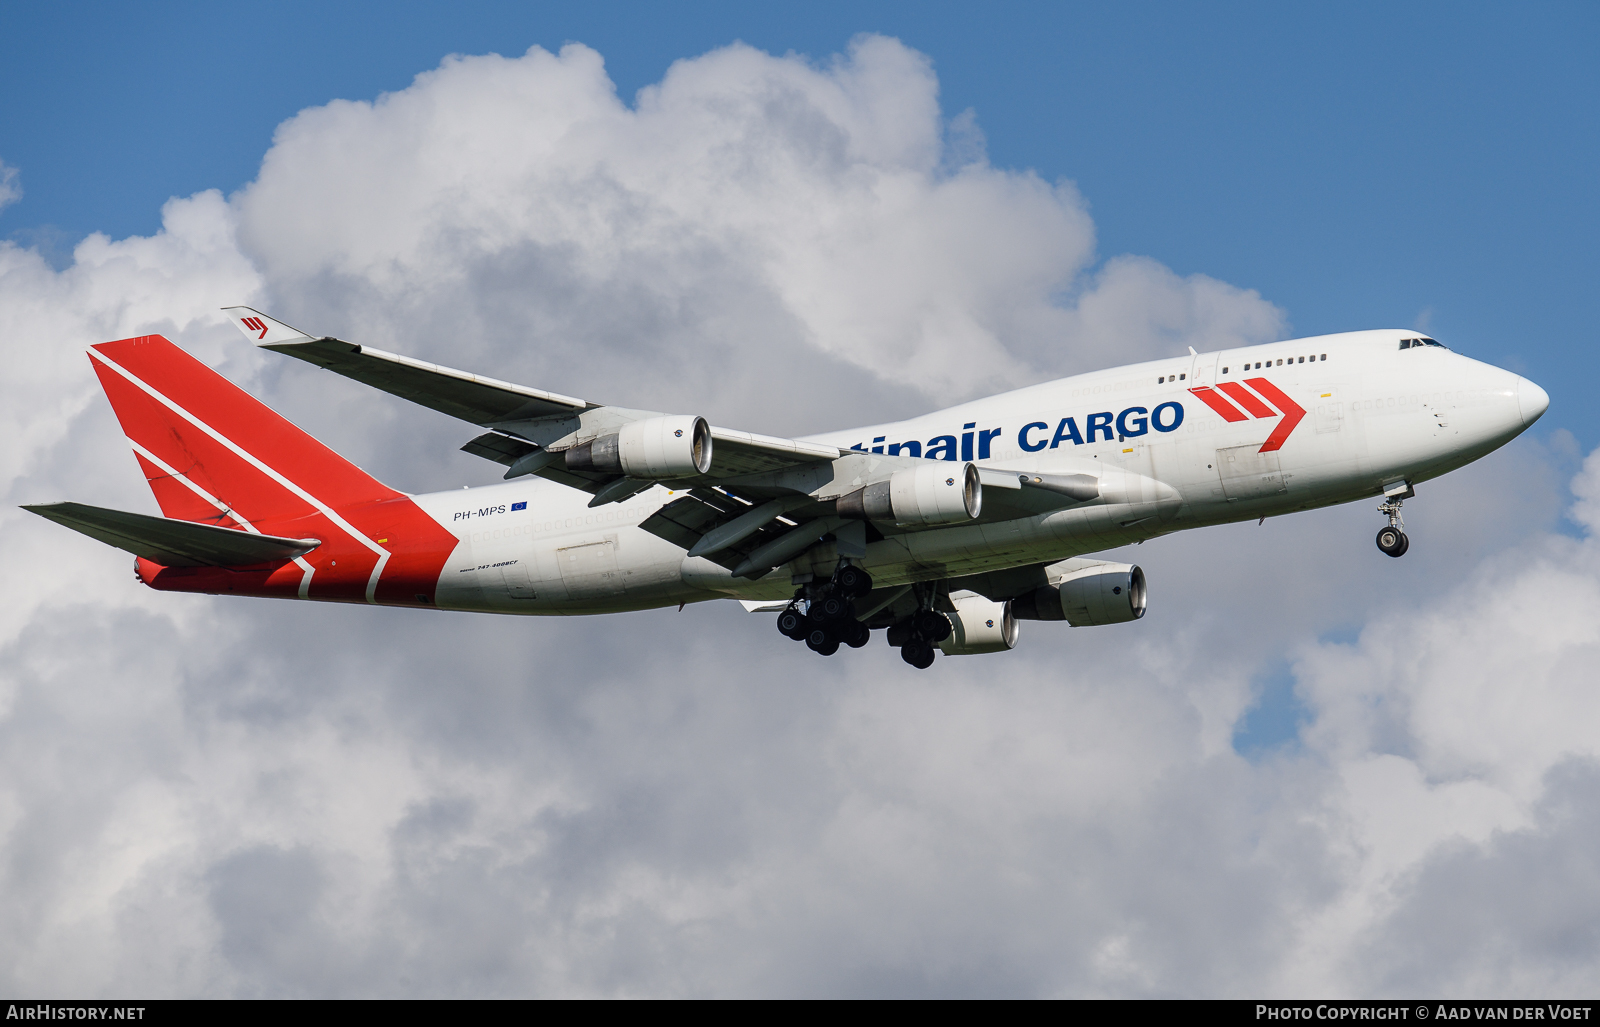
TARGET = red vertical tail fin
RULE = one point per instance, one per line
(204, 443)
(213, 453)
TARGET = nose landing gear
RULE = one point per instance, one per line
(1392, 540)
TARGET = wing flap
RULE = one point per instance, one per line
(174, 543)
(735, 454)
(685, 521)
(502, 449)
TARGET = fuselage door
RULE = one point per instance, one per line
(518, 582)
(590, 571)
(1247, 473)
(1203, 369)
(1329, 413)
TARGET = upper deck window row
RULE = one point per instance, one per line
(1314, 358)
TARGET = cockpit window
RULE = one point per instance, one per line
(1418, 343)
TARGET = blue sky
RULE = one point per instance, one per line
(1362, 165)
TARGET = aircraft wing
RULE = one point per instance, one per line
(470, 397)
(174, 543)
(525, 419)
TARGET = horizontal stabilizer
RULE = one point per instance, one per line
(174, 543)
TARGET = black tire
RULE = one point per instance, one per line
(853, 582)
(932, 625)
(832, 608)
(827, 650)
(918, 654)
(821, 638)
(1393, 542)
(858, 636)
(794, 624)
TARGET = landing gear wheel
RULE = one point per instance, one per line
(932, 625)
(1393, 542)
(794, 624)
(822, 640)
(918, 654)
(853, 582)
(857, 635)
(833, 608)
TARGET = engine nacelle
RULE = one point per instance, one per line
(1099, 593)
(933, 493)
(981, 626)
(655, 448)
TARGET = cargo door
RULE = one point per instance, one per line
(590, 570)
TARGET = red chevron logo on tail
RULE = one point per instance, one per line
(1288, 409)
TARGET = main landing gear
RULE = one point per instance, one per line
(918, 634)
(829, 617)
(1392, 539)
(823, 616)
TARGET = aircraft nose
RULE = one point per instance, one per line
(1532, 401)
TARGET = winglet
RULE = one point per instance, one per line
(263, 330)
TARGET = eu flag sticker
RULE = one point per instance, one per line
(518, 506)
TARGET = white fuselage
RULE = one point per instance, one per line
(1374, 415)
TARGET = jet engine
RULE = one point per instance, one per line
(981, 626)
(655, 448)
(1099, 593)
(933, 493)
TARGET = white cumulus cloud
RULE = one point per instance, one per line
(10, 187)
(748, 213)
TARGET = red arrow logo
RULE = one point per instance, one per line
(1291, 411)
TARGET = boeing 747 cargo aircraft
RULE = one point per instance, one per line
(945, 530)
